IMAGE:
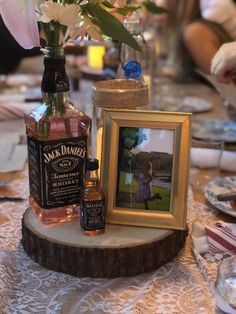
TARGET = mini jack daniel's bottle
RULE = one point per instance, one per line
(92, 215)
(57, 145)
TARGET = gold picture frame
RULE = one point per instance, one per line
(144, 168)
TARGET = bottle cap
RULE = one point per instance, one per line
(92, 164)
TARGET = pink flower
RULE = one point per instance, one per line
(20, 18)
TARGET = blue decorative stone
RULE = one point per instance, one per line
(132, 69)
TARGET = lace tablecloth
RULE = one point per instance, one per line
(26, 287)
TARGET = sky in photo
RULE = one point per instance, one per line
(158, 140)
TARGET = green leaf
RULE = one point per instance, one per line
(107, 4)
(151, 7)
(126, 10)
(67, 1)
(110, 26)
(123, 11)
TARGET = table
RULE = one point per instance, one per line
(26, 287)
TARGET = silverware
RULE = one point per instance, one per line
(226, 196)
(4, 198)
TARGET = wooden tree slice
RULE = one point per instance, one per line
(120, 251)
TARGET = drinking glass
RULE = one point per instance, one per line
(205, 160)
(225, 286)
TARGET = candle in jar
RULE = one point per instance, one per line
(95, 56)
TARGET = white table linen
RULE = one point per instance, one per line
(26, 287)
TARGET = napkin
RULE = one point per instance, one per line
(11, 108)
(228, 161)
(24, 80)
(216, 238)
(13, 155)
(204, 158)
(14, 110)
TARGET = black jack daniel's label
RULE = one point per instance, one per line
(55, 170)
(92, 215)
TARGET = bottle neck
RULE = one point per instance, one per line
(130, 59)
(133, 26)
(127, 53)
(55, 79)
(56, 100)
(130, 64)
(91, 179)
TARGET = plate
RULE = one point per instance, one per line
(218, 186)
(195, 104)
(214, 129)
(187, 104)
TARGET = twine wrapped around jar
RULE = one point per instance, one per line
(120, 93)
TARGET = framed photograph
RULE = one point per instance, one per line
(144, 172)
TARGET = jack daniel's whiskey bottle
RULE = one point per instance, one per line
(92, 215)
(57, 145)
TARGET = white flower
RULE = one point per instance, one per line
(80, 30)
(64, 14)
(64, 20)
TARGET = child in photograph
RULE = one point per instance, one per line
(144, 184)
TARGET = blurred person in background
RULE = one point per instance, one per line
(223, 64)
(12, 54)
(223, 67)
(195, 30)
